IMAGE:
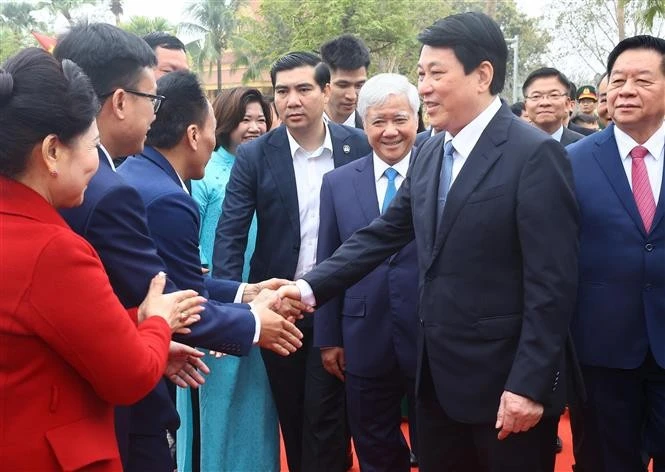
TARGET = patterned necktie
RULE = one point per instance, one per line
(391, 190)
(446, 175)
(646, 204)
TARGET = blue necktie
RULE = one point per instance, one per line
(391, 190)
(446, 175)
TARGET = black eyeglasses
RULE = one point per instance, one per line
(155, 99)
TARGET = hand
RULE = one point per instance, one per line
(291, 307)
(179, 309)
(184, 364)
(252, 290)
(333, 361)
(277, 334)
(516, 414)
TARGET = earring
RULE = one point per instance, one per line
(54, 173)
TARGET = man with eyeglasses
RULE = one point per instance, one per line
(547, 102)
(113, 220)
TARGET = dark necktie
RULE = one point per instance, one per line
(391, 190)
(646, 204)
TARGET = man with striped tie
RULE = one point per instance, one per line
(367, 335)
(619, 324)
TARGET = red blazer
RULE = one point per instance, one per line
(68, 349)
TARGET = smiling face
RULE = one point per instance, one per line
(251, 127)
(547, 103)
(391, 128)
(635, 92)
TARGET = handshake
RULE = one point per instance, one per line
(277, 304)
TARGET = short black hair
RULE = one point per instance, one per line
(345, 52)
(545, 72)
(473, 37)
(40, 95)
(159, 39)
(600, 80)
(185, 104)
(572, 90)
(643, 41)
(517, 108)
(111, 57)
(293, 60)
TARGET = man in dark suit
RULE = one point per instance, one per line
(112, 218)
(367, 335)
(278, 176)
(619, 323)
(347, 57)
(547, 103)
(491, 206)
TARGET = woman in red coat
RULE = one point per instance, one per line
(68, 349)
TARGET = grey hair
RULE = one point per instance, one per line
(377, 90)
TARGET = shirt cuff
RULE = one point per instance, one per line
(306, 293)
(257, 331)
(239, 293)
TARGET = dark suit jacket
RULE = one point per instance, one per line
(581, 129)
(498, 275)
(621, 297)
(569, 137)
(113, 219)
(376, 319)
(422, 137)
(68, 349)
(263, 180)
(173, 220)
(359, 121)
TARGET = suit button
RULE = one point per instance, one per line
(422, 323)
(648, 247)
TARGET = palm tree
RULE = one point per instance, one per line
(216, 20)
(653, 9)
(18, 18)
(249, 57)
(65, 7)
(116, 9)
(142, 25)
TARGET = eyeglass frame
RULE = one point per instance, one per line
(155, 99)
(549, 96)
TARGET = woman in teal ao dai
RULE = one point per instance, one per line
(238, 419)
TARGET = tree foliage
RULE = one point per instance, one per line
(142, 25)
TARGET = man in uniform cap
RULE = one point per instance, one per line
(587, 99)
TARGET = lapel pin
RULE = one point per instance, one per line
(346, 148)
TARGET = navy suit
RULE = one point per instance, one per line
(422, 137)
(263, 180)
(497, 283)
(112, 218)
(375, 321)
(619, 323)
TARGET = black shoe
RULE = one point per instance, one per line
(558, 447)
(413, 460)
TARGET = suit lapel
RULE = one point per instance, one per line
(606, 154)
(485, 153)
(660, 209)
(365, 187)
(432, 150)
(343, 150)
(280, 164)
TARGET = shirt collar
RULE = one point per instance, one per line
(467, 138)
(294, 146)
(558, 134)
(654, 144)
(380, 166)
(350, 121)
(108, 156)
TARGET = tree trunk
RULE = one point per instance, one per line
(117, 19)
(219, 72)
(621, 18)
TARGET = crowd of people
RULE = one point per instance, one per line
(309, 262)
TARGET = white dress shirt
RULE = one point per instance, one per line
(652, 161)
(382, 181)
(108, 156)
(558, 134)
(468, 136)
(350, 121)
(309, 168)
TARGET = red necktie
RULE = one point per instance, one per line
(642, 192)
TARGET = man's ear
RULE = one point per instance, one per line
(193, 136)
(485, 72)
(118, 102)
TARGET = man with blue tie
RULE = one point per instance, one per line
(494, 218)
(619, 323)
(367, 335)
